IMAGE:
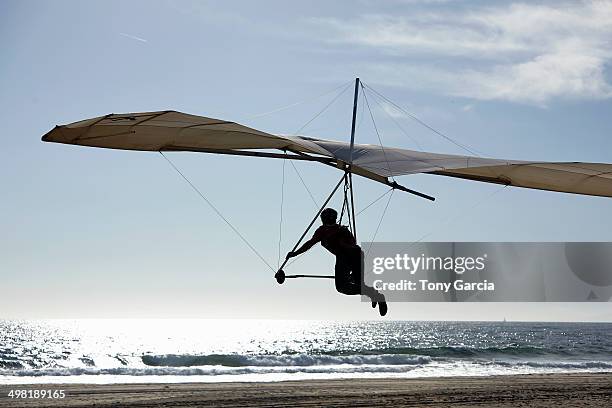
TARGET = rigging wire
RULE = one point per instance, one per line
(316, 204)
(375, 201)
(324, 109)
(415, 118)
(401, 128)
(282, 108)
(211, 205)
(365, 97)
(280, 223)
(344, 88)
(380, 222)
(456, 217)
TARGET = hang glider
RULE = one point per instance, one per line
(175, 131)
(166, 131)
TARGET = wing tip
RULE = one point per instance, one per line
(47, 136)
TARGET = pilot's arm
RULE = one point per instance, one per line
(305, 246)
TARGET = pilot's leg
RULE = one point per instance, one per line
(345, 282)
(349, 279)
(358, 268)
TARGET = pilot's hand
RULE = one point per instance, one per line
(290, 254)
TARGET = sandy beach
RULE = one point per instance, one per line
(546, 390)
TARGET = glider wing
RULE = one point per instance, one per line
(176, 131)
(571, 177)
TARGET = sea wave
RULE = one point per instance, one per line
(475, 352)
(207, 371)
(580, 365)
(390, 356)
(299, 360)
(487, 367)
(10, 364)
(276, 351)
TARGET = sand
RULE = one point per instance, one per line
(549, 390)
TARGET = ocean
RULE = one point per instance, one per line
(128, 351)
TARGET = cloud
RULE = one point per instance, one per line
(526, 53)
(391, 111)
(537, 81)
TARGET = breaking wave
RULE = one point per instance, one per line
(209, 371)
(296, 360)
(343, 368)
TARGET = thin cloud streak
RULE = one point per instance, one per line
(133, 37)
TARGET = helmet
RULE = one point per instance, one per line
(329, 216)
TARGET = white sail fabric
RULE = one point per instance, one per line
(155, 131)
(571, 177)
(171, 130)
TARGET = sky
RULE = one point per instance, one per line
(99, 233)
